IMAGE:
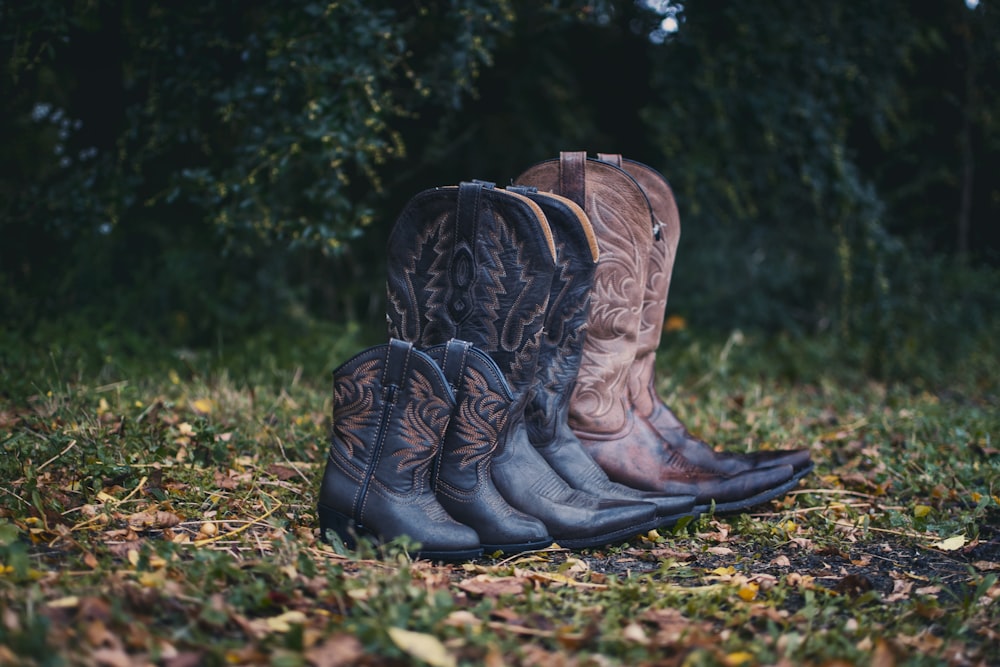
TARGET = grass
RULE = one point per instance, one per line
(158, 507)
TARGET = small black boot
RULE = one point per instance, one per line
(462, 472)
(391, 407)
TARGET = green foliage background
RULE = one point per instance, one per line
(190, 171)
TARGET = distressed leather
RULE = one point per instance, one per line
(473, 263)
(559, 358)
(601, 412)
(462, 472)
(620, 216)
(642, 386)
(391, 408)
(476, 263)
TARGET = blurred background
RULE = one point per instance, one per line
(192, 171)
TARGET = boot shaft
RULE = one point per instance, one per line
(619, 213)
(661, 265)
(391, 409)
(482, 413)
(566, 320)
(473, 263)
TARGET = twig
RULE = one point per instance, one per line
(294, 467)
(837, 492)
(71, 445)
(232, 533)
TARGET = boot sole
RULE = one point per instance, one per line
(349, 531)
(607, 539)
(513, 549)
(742, 504)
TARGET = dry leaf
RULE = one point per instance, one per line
(951, 544)
(490, 586)
(284, 622)
(203, 406)
(423, 647)
(340, 649)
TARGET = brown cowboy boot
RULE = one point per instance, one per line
(601, 413)
(476, 264)
(646, 401)
(559, 361)
(391, 406)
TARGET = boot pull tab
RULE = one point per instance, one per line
(454, 362)
(522, 189)
(463, 258)
(611, 158)
(572, 176)
(397, 362)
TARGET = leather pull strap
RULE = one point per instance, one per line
(572, 176)
(454, 361)
(612, 158)
(397, 362)
(463, 256)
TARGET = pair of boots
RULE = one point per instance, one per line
(615, 411)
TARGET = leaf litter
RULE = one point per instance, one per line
(176, 525)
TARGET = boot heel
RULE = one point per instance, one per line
(342, 525)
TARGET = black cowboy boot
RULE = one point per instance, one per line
(601, 413)
(391, 406)
(462, 472)
(559, 361)
(642, 385)
(476, 263)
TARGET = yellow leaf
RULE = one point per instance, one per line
(920, 511)
(174, 377)
(738, 658)
(723, 571)
(423, 647)
(203, 406)
(102, 407)
(66, 602)
(748, 592)
(284, 622)
(951, 544)
(674, 323)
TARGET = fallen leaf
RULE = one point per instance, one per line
(203, 406)
(985, 565)
(340, 649)
(422, 647)
(490, 586)
(951, 544)
(284, 622)
(65, 602)
(738, 658)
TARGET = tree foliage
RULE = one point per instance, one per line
(201, 165)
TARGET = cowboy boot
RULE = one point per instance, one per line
(462, 472)
(559, 361)
(600, 413)
(476, 263)
(391, 406)
(646, 402)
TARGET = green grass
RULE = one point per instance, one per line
(158, 506)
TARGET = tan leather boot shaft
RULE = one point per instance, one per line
(620, 215)
(667, 223)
